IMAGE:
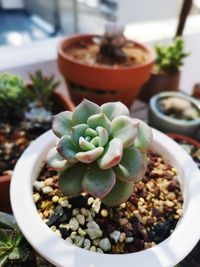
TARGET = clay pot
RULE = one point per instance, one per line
(159, 82)
(64, 103)
(180, 137)
(100, 83)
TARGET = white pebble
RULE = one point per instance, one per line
(115, 235)
(99, 250)
(36, 197)
(64, 203)
(73, 223)
(81, 231)
(58, 233)
(129, 239)
(55, 199)
(90, 201)
(122, 237)
(75, 212)
(104, 244)
(47, 189)
(87, 244)
(81, 219)
(73, 235)
(95, 242)
(84, 212)
(39, 185)
(96, 205)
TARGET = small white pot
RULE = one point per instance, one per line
(60, 253)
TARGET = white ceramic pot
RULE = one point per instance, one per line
(60, 253)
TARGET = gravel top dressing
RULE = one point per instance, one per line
(146, 219)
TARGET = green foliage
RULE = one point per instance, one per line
(13, 97)
(13, 246)
(170, 57)
(101, 151)
(41, 88)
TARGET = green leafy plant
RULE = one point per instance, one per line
(13, 246)
(41, 88)
(170, 57)
(13, 96)
(101, 151)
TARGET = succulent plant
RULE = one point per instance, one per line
(13, 246)
(13, 95)
(111, 45)
(170, 57)
(41, 88)
(100, 150)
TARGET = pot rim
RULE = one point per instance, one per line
(5, 178)
(155, 109)
(146, 47)
(61, 253)
(186, 138)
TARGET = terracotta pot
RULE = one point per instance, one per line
(179, 137)
(64, 104)
(99, 83)
(159, 83)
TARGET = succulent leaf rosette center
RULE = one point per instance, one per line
(101, 151)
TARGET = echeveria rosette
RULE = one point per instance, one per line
(101, 151)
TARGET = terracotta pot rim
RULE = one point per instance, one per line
(153, 73)
(148, 48)
(183, 137)
(4, 178)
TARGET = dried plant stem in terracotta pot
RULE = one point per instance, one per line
(26, 113)
(166, 72)
(113, 187)
(107, 68)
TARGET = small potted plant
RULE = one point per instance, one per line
(166, 72)
(174, 112)
(113, 187)
(14, 249)
(104, 68)
(26, 111)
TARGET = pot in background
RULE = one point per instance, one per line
(168, 124)
(63, 103)
(100, 83)
(60, 253)
(159, 82)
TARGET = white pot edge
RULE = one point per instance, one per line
(60, 253)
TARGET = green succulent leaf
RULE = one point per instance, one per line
(120, 193)
(66, 149)
(7, 221)
(97, 182)
(55, 160)
(114, 109)
(103, 136)
(125, 129)
(84, 110)
(95, 141)
(90, 132)
(70, 181)
(62, 123)
(112, 154)
(85, 145)
(130, 165)
(77, 132)
(89, 156)
(97, 120)
(144, 136)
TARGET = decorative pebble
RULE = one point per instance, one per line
(99, 250)
(93, 230)
(64, 203)
(36, 197)
(90, 201)
(87, 244)
(105, 244)
(73, 235)
(104, 213)
(47, 189)
(53, 228)
(81, 219)
(95, 242)
(73, 223)
(93, 249)
(96, 205)
(78, 240)
(128, 239)
(58, 233)
(115, 235)
(49, 181)
(84, 212)
(81, 231)
(55, 199)
(39, 185)
(122, 237)
(75, 212)
(68, 239)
